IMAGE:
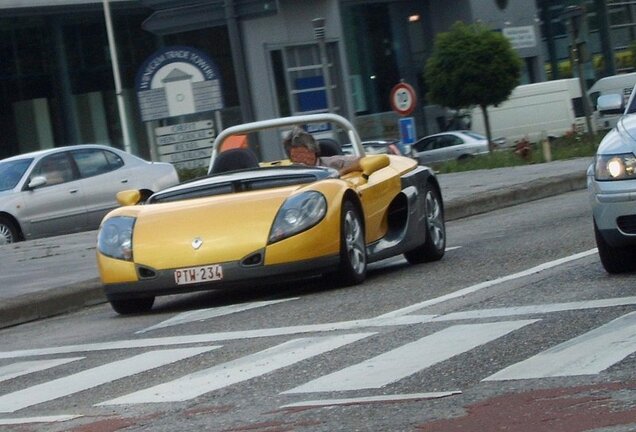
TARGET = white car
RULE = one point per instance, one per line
(70, 189)
(611, 181)
(451, 145)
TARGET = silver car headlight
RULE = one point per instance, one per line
(615, 167)
(115, 238)
(298, 213)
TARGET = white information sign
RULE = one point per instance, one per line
(521, 37)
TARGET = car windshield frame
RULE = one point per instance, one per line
(244, 181)
(12, 171)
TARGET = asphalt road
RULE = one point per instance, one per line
(517, 328)
(51, 276)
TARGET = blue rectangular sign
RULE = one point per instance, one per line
(407, 130)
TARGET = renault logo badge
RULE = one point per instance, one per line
(197, 243)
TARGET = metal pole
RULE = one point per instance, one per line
(121, 103)
(238, 59)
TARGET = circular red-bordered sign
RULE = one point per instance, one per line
(403, 99)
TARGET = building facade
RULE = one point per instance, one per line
(274, 58)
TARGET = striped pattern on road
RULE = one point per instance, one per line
(245, 368)
(588, 354)
(27, 367)
(411, 358)
(94, 377)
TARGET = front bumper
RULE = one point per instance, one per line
(614, 210)
(162, 282)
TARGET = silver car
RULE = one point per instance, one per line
(70, 189)
(611, 181)
(451, 145)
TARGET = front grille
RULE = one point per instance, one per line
(627, 224)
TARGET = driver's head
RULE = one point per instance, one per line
(301, 147)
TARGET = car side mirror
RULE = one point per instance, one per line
(129, 197)
(373, 163)
(36, 182)
(610, 104)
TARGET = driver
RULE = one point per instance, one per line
(302, 148)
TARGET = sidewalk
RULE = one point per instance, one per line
(46, 277)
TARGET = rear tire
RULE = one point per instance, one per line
(132, 305)
(8, 231)
(353, 251)
(614, 259)
(435, 245)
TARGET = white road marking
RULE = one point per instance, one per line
(24, 368)
(204, 314)
(588, 354)
(90, 378)
(371, 399)
(44, 419)
(408, 359)
(536, 309)
(242, 369)
(220, 337)
(487, 284)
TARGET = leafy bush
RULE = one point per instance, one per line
(186, 174)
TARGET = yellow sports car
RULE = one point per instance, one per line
(251, 221)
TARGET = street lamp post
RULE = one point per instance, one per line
(319, 35)
(121, 104)
(574, 16)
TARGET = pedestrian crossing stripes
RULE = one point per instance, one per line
(93, 377)
(223, 375)
(24, 368)
(589, 353)
(411, 358)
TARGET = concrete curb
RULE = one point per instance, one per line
(54, 301)
(59, 300)
(533, 190)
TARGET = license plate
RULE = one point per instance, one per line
(192, 275)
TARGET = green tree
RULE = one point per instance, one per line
(471, 65)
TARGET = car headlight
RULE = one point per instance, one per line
(298, 213)
(615, 167)
(115, 237)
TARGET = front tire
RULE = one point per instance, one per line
(614, 259)
(435, 245)
(132, 305)
(353, 251)
(8, 231)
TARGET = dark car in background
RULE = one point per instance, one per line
(69, 189)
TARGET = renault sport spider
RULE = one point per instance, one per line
(257, 219)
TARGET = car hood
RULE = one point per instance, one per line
(230, 228)
(621, 139)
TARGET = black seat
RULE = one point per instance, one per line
(329, 147)
(234, 159)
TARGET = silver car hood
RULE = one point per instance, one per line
(621, 139)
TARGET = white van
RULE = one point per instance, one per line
(616, 84)
(532, 111)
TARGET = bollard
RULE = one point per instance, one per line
(545, 145)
